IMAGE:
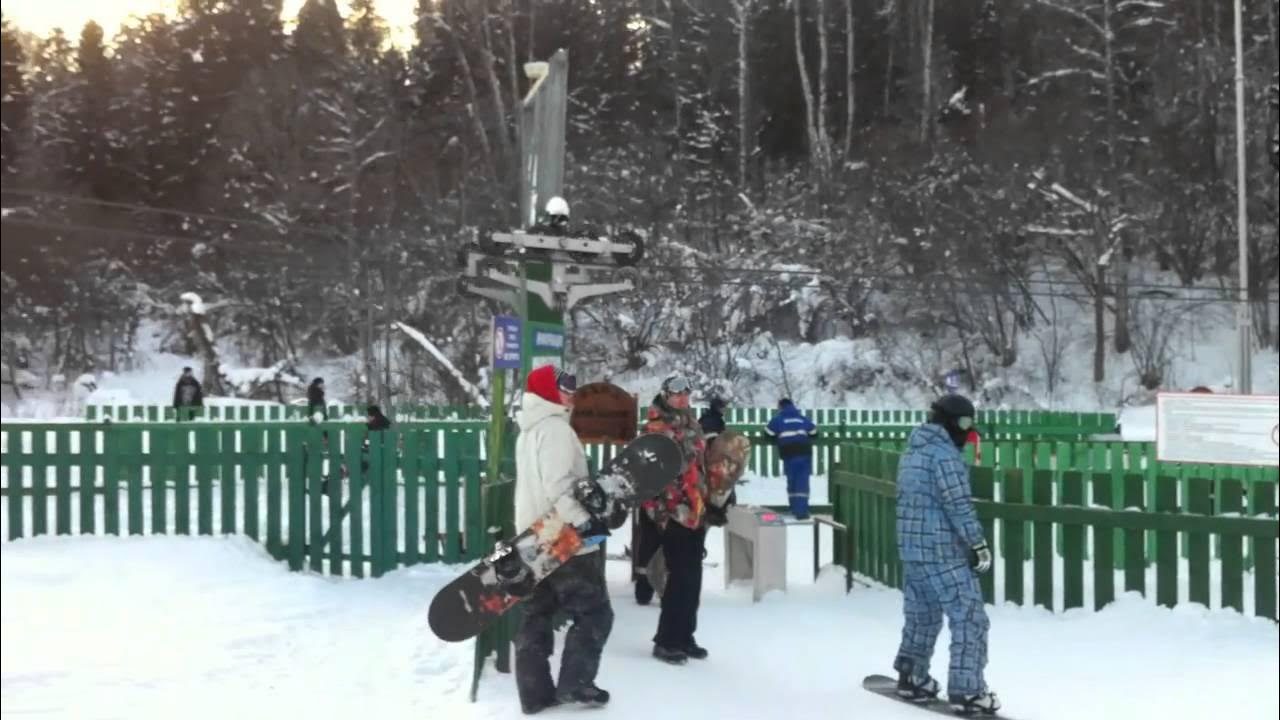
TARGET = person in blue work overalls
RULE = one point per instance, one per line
(793, 433)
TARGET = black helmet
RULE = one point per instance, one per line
(954, 413)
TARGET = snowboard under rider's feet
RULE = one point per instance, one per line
(916, 689)
(984, 703)
(588, 695)
(670, 655)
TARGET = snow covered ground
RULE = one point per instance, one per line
(159, 627)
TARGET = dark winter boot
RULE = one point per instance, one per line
(984, 703)
(670, 655)
(913, 688)
(537, 707)
(588, 695)
(918, 690)
(695, 651)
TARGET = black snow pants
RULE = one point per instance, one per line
(577, 588)
(680, 599)
(648, 540)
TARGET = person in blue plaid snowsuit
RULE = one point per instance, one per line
(942, 548)
(793, 433)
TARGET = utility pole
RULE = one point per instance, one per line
(1244, 316)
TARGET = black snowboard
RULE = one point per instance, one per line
(887, 686)
(509, 574)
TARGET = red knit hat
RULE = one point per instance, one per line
(542, 382)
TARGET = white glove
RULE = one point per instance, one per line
(981, 558)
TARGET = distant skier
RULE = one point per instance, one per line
(793, 433)
(941, 545)
(549, 457)
(187, 394)
(679, 514)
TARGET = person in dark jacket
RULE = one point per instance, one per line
(315, 400)
(375, 420)
(712, 422)
(793, 433)
(712, 419)
(187, 394)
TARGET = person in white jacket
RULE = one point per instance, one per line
(549, 458)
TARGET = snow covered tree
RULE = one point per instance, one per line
(15, 105)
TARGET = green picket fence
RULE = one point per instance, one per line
(315, 495)
(1119, 460)
(1071, 547)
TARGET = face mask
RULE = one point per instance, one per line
(958, 429)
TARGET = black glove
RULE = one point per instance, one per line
(980, 558)
(618, 517)
(595, 528)
(716, 516)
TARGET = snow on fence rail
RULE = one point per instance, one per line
(993, 423)
(1070, 534)
(272, 413)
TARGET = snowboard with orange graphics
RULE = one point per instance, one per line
(464, 607)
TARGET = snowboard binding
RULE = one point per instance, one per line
(512, 574)
(591, 497)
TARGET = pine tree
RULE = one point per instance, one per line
(15, 105)
(91, 122)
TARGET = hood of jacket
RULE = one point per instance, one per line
(930, 434)
(535, 409)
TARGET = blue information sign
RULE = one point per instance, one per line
(506, 342)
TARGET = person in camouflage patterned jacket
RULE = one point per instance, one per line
(679, 514)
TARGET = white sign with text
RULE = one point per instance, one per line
(1227, 429)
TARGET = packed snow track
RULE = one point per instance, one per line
(164, 627)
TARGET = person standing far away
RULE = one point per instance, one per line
(679, 514)
(942, 548)
(315, 401)
(793, 433)
(975, 439)
(549, 458)
(712, 422)
(712, 419)
(187, 394)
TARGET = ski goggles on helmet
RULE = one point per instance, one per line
(567, 382)
(675, 385)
